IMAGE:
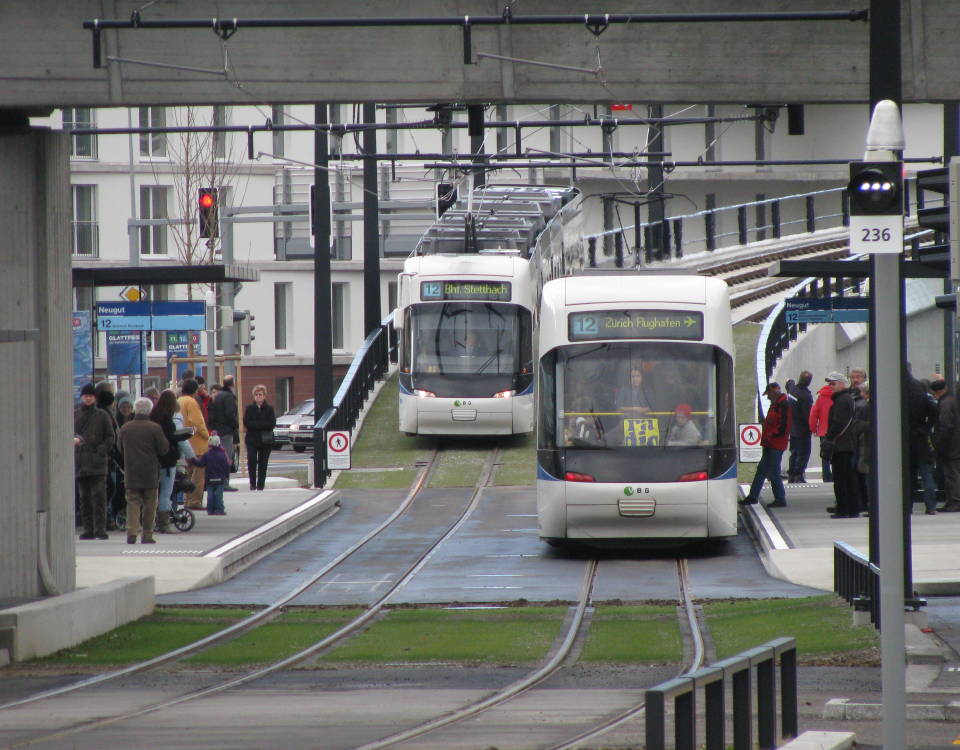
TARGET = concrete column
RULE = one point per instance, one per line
(35, 301)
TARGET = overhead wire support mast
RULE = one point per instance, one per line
(596, 23)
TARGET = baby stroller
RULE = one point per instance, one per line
(181, 517)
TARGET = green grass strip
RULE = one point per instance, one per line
(822, 626)
(290, 633)
(167, 629)
(460, 463)
(489, 636)
(518, 461)
(645, 634)
(380, 444)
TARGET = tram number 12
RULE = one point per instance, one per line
(584, 325)
(431, 290)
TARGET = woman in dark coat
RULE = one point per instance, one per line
(259, 421)
(162, 414)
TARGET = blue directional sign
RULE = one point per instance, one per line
(179, 316)
(123, 316)
(827, 310)
(151, 316)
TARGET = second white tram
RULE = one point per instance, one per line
(466, 303)
(466, 350)
(636, 423)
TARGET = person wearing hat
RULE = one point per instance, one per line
(841, 436)
(682, 429)
(773, 442)
(946, 442)
(93, 439)
(818, 421)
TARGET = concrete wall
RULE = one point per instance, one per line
(36, 462)
(841, 346)
(809, 61)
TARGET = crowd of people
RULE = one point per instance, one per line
(140, 454)
(839, 416)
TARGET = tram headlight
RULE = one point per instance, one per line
(505, 394)
(576, 476)
(694, 476)
(424, 394)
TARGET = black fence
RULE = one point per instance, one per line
(770, 218)
(712, 683)
(857, 580)
(369, 365)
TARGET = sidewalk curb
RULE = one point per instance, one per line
(817, 740)
(244, 550)
(842, 709)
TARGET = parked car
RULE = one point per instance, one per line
(281, 433)
(301, 432)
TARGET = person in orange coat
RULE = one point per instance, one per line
(193, 417)
(820, 419)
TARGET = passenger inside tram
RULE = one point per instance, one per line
(682, 430)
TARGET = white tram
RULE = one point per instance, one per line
(466, 305)
(636, 424)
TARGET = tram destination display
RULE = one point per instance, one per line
(635, 324)
(485, 291)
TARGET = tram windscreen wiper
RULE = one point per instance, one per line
(488, 361)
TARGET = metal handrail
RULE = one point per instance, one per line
(370, 364)
(857, 580)
(713, 681)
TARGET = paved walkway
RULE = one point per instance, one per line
(798, 540)
(181, 561)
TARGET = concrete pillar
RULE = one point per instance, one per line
(36, 362)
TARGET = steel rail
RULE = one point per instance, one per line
(696, 661)
(324, 643)
(246, 624)
(514, 689)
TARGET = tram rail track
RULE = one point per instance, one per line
(262, 616)
(553, 665)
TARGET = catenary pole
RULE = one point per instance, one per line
(322, 337)
(371, 227)
(884, 141)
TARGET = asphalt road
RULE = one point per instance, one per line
(495, 556)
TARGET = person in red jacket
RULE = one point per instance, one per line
(773, 442)
(820, 420)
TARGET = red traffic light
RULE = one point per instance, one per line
(208, 213)
(207, 200)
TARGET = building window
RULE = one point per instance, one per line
(153, 205)
(283, 395)
(81, 146)
(156, 340)
(85, 233)
(282, 295)
(391, 297)
(153, 145)
(277, 116)
(711, 146)
(219, 143)
(338, 304)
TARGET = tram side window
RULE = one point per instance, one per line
(547, 411)
(405, 342)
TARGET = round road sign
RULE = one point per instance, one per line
(750, 435)
(338, 442)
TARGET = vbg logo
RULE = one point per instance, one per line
(628, 491)
(458, 403)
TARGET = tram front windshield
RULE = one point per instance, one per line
(470, 349)
(628, 411)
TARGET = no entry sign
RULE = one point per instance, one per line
(750, 443)
(338, 450)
